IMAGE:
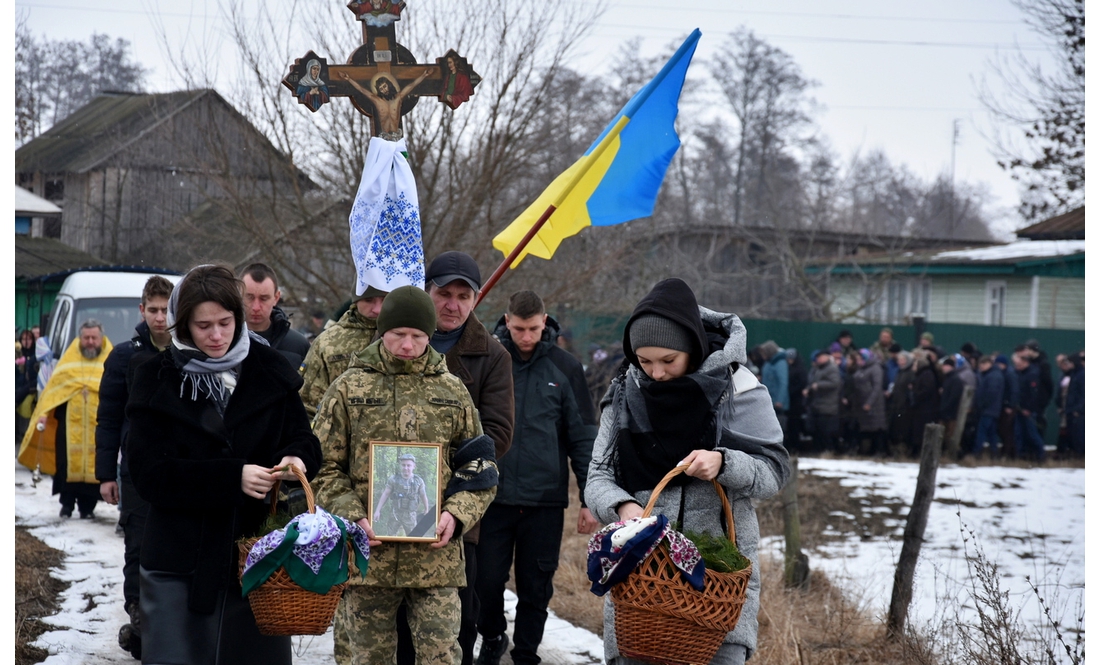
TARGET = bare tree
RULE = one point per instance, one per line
(53, 78)
(1048, 106)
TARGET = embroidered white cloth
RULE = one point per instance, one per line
(386, 243)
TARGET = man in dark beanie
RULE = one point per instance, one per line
(399, 389)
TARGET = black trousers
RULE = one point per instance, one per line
(533, 537)
(135, 510)
(467, 631)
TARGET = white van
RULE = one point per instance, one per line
(112, 298)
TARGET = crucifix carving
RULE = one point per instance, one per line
(381, 77)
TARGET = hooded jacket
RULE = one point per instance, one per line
(292, 344)
(990, 395)
(755, 463)
(555, 419)
(774, 376)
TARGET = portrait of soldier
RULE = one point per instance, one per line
(403, 502)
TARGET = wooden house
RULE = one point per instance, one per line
(130, 170)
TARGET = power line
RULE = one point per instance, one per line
(844, 16)
(847, 40)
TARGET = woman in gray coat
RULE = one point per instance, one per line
(685, 398)
(869, 402)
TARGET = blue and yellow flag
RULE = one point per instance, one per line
(618, 177)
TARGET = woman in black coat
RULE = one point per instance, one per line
(925, 400)
(214, 421)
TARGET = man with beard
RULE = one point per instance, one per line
(62, 442)
(113, 428)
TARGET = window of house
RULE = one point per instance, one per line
(55, 189)
(995, 303)
(895, 301)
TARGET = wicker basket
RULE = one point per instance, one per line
(280, 606)
(660, 618)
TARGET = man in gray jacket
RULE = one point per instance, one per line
(823, 396)
(555, 419)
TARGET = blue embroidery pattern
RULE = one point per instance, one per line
(385, 237)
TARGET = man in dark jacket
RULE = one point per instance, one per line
(1027, 433)
(485, 368)
(988, 402)
(951, 395)
(112, 427)
(899, 409)
(555, 419)
(1074, 405)
(264, 317)
(823, 400)
(796, 383)
(1038, 357)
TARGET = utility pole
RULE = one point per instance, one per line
(954, 142)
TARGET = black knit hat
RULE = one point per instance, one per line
(656, 330)
(407, 307)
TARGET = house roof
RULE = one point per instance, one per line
(1067, 226)
(1063, 258)
(99, 129)
(35, 257)
(29, 205)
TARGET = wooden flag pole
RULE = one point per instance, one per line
(499, 272)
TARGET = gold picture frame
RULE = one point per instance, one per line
(399, 490)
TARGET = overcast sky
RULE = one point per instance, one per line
(892, 75)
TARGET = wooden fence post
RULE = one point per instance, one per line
(796, 565)
(914, 530)
(951, 446)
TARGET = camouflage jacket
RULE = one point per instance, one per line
(331, 354)
(381, 398)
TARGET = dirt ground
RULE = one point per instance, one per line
(35, 593)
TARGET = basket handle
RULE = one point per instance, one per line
(305, 486)
(717, 488)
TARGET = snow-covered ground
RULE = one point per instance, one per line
(1030, 522)
(91, 608)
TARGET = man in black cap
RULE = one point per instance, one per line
(453, 280)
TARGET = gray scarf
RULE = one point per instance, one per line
(206, 375)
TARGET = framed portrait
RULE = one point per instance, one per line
(405, 493)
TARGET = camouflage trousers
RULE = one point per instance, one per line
(365, 629)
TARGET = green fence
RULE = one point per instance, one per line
(806, 336)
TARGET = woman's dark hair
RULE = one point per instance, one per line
(208, 283)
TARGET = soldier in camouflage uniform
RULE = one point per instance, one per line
(398, 389)
(334, 348)
(407, 497)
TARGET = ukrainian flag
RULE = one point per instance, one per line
(618, 177)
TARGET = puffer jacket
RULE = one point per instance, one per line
(748, 416)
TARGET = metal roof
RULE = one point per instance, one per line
(1067, 226)
(35, 257)
(99, 129)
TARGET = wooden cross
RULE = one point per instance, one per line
(381, 77)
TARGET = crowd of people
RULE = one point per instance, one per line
(188, 425)
(877, 400)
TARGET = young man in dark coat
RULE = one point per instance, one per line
(1027, 434)
(265, 318)
(988, 403)
(555, 421)
(115, 484)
